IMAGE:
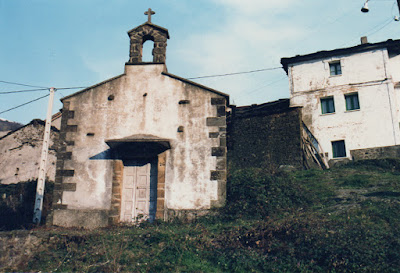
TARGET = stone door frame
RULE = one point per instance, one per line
(116, 189)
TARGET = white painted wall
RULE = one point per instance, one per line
(370, 74)
(189, 161)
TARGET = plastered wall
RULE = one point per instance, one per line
(369, 74)
(144, 101)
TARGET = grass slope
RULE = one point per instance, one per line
(344, 219)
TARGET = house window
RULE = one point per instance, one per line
(335, 68)
(352, 102)
(327, 105)
(338, 149)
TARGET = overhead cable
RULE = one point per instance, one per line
(65, 88)
(40, 89)
(22, 91)
(236, 73)
(23, 104)
(22, 84)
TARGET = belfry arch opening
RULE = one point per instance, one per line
(148, 44)
(147, 49)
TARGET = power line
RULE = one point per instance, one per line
(236, 73)
(40, 89)
(22, 91)
(387, 23)
(23, 104)
(22, 84)
(65, 88)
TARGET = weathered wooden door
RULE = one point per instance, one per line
(138, 186)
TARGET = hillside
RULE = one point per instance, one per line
(6, 125)
(340, 220)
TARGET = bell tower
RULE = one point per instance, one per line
(148, 31)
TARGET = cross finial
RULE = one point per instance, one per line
(149, 13)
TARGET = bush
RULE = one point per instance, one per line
(255, 193)
(17, 202)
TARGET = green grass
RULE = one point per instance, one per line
(345, 219)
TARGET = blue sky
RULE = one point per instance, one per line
(72, 43)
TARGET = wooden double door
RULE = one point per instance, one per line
(139, 190)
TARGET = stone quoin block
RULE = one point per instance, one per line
(72, 128)
(64, 156)
(70, 114)
(221, 163)
(218, 175)
(217, 101)
(221, 111)
(58, 179)
(213, 135)
(213, 121)
(218, 151)
(67, 173)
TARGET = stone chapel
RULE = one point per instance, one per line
(146, 144)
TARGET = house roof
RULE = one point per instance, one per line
(151, 25)
(33, 122)
(56, 116)
(392, 46)
(267, 108)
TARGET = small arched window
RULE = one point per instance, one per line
(147, 50)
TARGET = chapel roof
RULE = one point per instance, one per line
(151, 25)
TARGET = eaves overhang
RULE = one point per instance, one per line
(140, 145)
(393, 46)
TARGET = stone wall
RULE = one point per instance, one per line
(376, 153)
(265, 136)
(20, 152)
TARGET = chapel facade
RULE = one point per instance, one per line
(146, 144)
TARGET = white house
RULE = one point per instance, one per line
(350, 98)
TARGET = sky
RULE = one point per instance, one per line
(78, 43)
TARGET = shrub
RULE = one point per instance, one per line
(255, 193)
(17, 202)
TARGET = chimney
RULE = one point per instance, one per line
(364, 40)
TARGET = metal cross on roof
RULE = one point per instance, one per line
(149, 13)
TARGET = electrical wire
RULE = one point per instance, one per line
(374, 29)
(40, 89)
(235, 73)
(385, 25)
(22, 91)
(15, 107)
(65, 88)
(22, 84)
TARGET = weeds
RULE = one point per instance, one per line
(339, 220)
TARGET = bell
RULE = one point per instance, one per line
(365, 7)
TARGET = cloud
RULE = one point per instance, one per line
(255, 7)
(243, 33)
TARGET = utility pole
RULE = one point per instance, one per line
(37, 213)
